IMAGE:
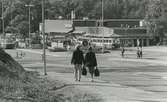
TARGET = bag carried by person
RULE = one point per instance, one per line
(84, 71)
(97, 72)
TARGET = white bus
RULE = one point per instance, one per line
(8, 42)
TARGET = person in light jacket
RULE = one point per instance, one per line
(90, 61)
(77, 60)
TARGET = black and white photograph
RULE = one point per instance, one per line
(83, 50)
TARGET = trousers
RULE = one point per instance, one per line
(77, 71)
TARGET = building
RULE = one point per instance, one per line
(60, 32)
(125, 32)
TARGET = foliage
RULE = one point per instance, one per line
(16, 14)
(156, 15)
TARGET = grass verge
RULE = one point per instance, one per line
(31, 88)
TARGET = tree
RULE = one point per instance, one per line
(156, 15)
(23, 29)
(15, 12)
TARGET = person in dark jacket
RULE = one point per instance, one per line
(141, 53)
(77, 60)
(90, 61)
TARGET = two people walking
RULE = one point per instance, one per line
(139, 52)
(79, 60)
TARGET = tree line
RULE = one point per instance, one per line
(16, 13)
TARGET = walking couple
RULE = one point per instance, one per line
(78, 60)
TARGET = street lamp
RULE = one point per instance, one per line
(102, 26)
(29, 8)
(3, 27)
(43, 33)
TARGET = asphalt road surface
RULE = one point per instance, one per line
(148, 74)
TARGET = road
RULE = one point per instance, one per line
(122, 79)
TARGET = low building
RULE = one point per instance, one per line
(125, 32)
(60, 32)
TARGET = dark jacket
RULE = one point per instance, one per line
(77, 57)
(90, 59)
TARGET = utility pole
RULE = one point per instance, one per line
(102, 21)
(3, 25)
(43, 32)
(29, 20)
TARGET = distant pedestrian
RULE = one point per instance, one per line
(77, 60)
(138, 53)
(122, 51)
(141, 52)
(90, 61)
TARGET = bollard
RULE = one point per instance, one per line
(17, 55)
(22, 54)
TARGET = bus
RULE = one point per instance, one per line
(8, 41)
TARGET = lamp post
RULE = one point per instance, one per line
(3, 25)
(43, 33)
(29, 17)
(102, 26)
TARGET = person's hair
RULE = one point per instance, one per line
(90, 49)
(78, 47)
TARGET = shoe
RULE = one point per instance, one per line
(78, 80)
(92, 80)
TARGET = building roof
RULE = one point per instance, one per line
(125, 31)
(108, 23)
(58, 26)
(113, 32)
(62, 27)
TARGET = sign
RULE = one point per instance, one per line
(72, 14)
